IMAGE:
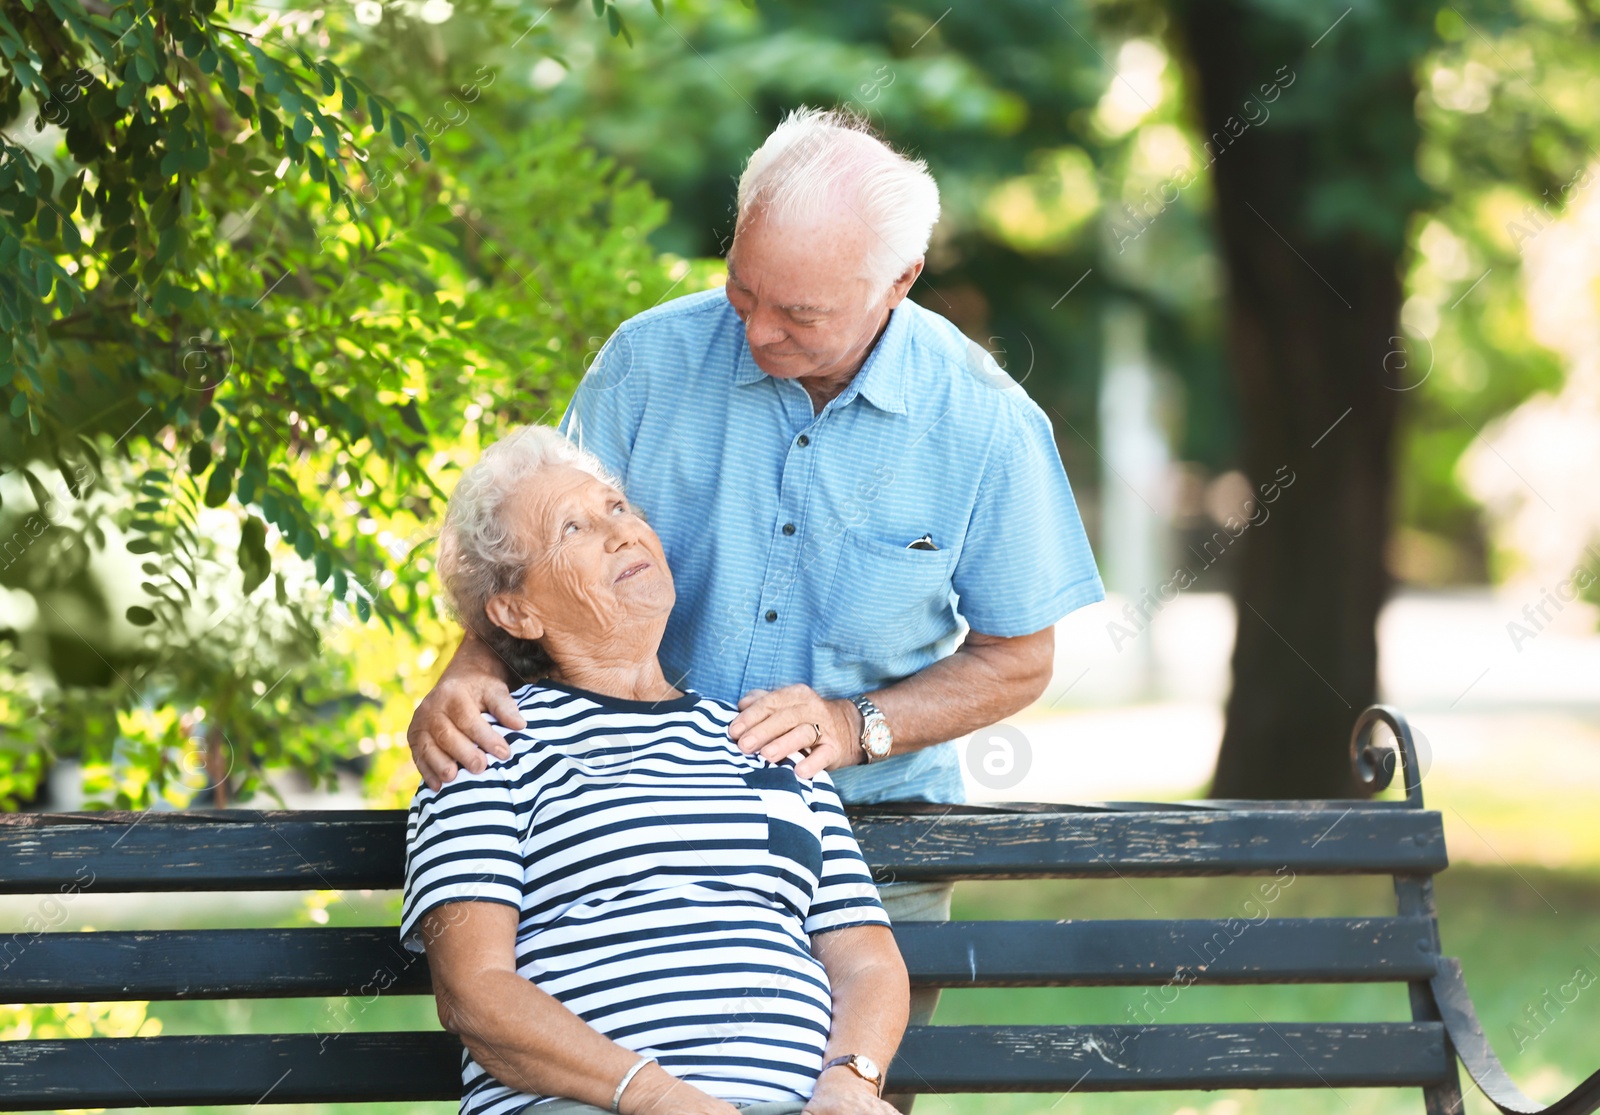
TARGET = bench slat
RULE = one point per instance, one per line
(1149, 953)
(369, 960)
(112, 966)
(1154, 844)
(1168, 1058)
(121, 852)
(236, 1069)
(300, 1068)
(236, 850)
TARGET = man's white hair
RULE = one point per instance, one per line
(821, 163)
(483, 550)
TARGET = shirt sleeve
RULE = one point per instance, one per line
(605, 411)
(846, 895)
(1026, 561)
(463, 844)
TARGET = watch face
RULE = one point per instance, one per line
(878, 740)
(869, 1067)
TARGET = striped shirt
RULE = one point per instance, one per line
(667, 885)
(788, 531)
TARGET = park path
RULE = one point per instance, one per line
(1511, 724)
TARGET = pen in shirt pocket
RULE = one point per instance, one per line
(923, 543)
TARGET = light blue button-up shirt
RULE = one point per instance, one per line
(787, 531)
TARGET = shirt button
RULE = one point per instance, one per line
(771, 616)
(802, 441)
(788, 528)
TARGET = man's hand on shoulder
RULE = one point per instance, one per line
(448, 730)
(778, 723)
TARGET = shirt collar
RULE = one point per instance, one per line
(882, 378)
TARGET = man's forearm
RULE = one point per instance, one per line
(474, 658)
(986, 680)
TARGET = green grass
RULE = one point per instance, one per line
(1518, 931)
(1513, 946)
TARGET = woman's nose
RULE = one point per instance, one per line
(625, 529)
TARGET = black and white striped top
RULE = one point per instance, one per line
(668, 885)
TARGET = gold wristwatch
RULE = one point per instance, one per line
(862, 1065)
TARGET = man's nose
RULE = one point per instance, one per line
(762, 328)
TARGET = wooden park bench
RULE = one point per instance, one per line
(42, 854)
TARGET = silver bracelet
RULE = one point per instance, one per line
(616, 1098)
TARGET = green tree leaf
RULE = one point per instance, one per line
(254, 560)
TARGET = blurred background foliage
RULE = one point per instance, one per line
(225, 445)
(234, 388)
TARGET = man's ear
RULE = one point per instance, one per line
(902, 285)
(515, 615)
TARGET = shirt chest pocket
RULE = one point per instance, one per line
(885, 599)
(794, 835)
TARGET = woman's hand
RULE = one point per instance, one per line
(842, 1092)
(655, 1091)
(777, 723)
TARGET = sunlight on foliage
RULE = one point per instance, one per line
(262, 300)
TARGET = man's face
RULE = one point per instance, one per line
(808, 307)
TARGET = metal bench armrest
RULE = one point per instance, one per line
(1472, 1046)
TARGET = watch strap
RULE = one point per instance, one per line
(853, 1060)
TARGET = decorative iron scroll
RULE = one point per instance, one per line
(1375, 763)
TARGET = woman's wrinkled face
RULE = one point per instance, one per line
(597, 566)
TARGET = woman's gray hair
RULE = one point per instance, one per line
(818, 159)
(482, 548)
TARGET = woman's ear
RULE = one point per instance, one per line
(515, 615)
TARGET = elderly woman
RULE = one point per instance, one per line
(629, 913)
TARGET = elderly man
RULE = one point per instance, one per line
(839, 479)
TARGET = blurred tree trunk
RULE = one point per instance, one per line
(218, 766)
(1312, 309)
